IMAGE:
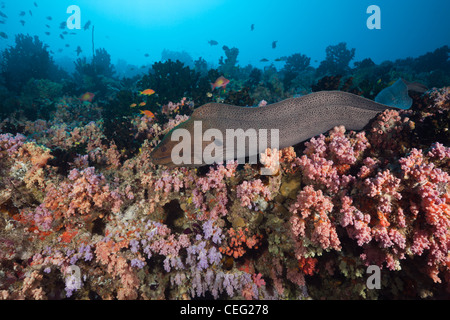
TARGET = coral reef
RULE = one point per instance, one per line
(85, 214)
(337, 60)
(229, 65)
(337, 204)
(28, 59)
(172, 80)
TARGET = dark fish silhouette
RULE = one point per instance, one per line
(61, 36)
(62, 25)
(47, 33)
(73, 33)
(47, 26)
(3, 35)
(35, 4)
(281, 59)
(67, 45)
(146, 55)
(22, 22)
(22, 13)
(252, 27)
(3, 15)
(31, 13)
(49, 18)
(213, 42)
(2, 22)
(65, 32)
(78, 51)
(264, 60)
(274, 44)
(87, 25)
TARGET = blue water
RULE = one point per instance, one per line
(130, 30)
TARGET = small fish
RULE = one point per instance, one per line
(133, 105)
(65, 33)
(220, 82)
(379, 81)
(274, 44)
(146, 55)
(47, 33)
(31, 13)
(263, 60)
(60, 50)
(3, 15)
(147, 92)
(61, 36)
(78, 51)
(213, 42)
(22, 22)
(49, 18)
(73, 33)
(3, 35)
(22, 13)
(148, 113)
(67, 45)
(2, 22)
(142, 104)
(281, 59)
(252, 27)
(87, 25)
(63, 25)
(35, 4)
(88, 96)
(47, 26)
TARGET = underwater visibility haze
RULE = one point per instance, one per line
(103, 195)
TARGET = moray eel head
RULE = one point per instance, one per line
(162, 153)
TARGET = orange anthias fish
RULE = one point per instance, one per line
(88, 96)
(148, 113)
(147, 92)
(142, 104)
(220, 82)
(133, 105)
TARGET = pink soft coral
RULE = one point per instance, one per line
(314, 208)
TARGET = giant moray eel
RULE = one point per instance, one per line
(297, 119)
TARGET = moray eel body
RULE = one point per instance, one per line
(297, 120)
